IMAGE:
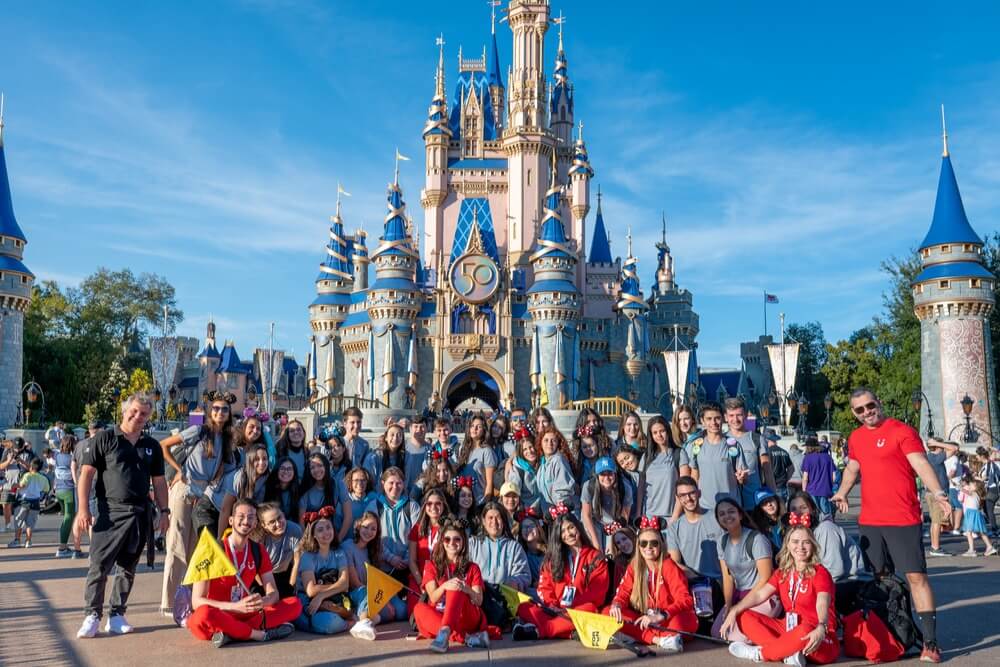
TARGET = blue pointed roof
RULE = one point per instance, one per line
(209, 351)
(337, 265)
(481, 83)
(231, 363)
(552, 235)
(394, 240)
(600, 249)
(949, 225)
(474, 210)
(8, 223)
(561, 88)
(493, 65)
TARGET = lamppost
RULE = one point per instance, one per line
(828, 406)
(32, 391)
(161, 406)
(765, 413)
(918, 399)
(252, 396)
(967, 405)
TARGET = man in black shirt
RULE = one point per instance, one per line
(124, 462)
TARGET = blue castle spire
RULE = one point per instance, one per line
(552, 235)
(337, 265)
(630, 296)
(600, 248)
(949, 224)
(8, 223)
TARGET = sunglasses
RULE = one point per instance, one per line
(220, 408)
(862, 409)
(451, 540)
(434, 504)
(646, 544)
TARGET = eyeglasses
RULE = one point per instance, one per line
(648, 544)
(862, 409)
(689, 494)
(452, 540)
(220, 408)
(286, 469)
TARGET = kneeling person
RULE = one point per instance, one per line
(224, 609)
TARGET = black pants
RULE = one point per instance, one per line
(205, 515)
(118, 539)
(989, 508)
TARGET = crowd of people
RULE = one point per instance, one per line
(691, 527)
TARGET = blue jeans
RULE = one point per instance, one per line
(320, 623)
(824, 505)
(394, 610)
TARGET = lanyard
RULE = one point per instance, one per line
(793, 589)
(654, 591)
(432, 537)
(574, 565)
(246, 554)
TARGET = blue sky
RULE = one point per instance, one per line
(792, 145)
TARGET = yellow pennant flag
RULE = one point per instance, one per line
(381, 587)
(594, 630)
(543, 394)
(208, 561)
(513, 598)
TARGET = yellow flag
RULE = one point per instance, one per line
(208, 561)
(594, 630)
(543, 394)
(513, 598)
(381, 587)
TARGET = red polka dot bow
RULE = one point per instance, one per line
(558, 510)
(437, 455)
(612, 528)
(803, 519)
(527, 512)
(649, 522)
(465, 481)
(523, 434)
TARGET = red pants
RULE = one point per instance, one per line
(206, 620)
(550, 627)
(459, 614)
(777, 644)
(685, 621)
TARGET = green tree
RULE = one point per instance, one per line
(111, 391)
(812, 358)
(849, 364)
(140, 381)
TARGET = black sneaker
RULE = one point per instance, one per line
(525, 632)
(220, 639)
(280, 632)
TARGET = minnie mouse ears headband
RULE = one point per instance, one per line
(251, 411)
(558, 510)
(523, 433)
(803, 520)
(325, 512)
(649, 523)
(463, 481)
(227, 397)
(612, 528)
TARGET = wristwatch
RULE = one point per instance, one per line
(165, 511)
(941, 493)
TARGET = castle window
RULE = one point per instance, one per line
(945, 249)
(529, 177)
(974, 282)
(968, 247)
(945, 284)
(920, 289)
(24, 280)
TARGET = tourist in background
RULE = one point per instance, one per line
(65, 488)
(818, 473)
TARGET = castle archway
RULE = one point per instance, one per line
(471, 385)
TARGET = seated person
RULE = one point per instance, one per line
(224, 608)
(692, 542)
(366, 548)
(500, 558)
(808, 631)
(654, 592)
(281, 539)
(323, 576)
(454, 587)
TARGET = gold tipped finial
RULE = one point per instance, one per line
(559, 21)
(944, 133)
(493, 15)
(439, 75)
(579, 136)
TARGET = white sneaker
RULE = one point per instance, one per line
(89, 627)
(796, 659)
(364, 629)
(478, 640)
(27, 545)
(117, 625)
(745, 651)
(671, 643)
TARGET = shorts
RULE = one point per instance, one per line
(953, 499)
(898, 549)
(934, 509)
(26, 517)
(9, 498)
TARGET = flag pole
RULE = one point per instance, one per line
(765, 312)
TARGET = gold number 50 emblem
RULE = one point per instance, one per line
(474, 277)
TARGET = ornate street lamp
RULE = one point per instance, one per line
(918, 399)
(803, 413)
(828, 406)
(967, 405)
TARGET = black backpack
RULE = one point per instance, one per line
(889, 598)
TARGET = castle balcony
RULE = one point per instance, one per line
(467, 345)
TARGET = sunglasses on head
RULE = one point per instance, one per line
(452, 539)
(862, 409)
(645, 544)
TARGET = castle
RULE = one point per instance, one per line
(15, 295)
(502, 303)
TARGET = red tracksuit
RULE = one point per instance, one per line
(205, 621)
(425, 544)
(459, 613)
(666, 592)
(798, 596)
(588, 574)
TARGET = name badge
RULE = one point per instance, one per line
(568, 595)
(236, 594)
(791, 621)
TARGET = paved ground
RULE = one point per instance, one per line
(40, 599)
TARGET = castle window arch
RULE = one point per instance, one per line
(945, 249)
(944, 284)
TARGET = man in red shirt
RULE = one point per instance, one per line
(888, 454)
(224, 609)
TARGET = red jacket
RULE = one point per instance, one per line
(591, 581)
(669, 591)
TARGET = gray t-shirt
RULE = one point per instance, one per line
(734, 553)
(717, 465)
(480, 459)
(661, 478)
(751, 457)
(63, 472)
(936, 458)
(258, 487)
(697, 542)
(313, 562)
(282, 549)
(199, 468)
(604, 514)
(356, 558)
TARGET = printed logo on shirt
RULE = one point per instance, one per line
(880, 443)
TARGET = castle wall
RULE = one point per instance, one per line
(11, 364)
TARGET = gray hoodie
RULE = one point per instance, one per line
(502, 561)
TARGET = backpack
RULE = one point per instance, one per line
(183, 606)
(866, 636)
(889, 598)
(748, 545)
